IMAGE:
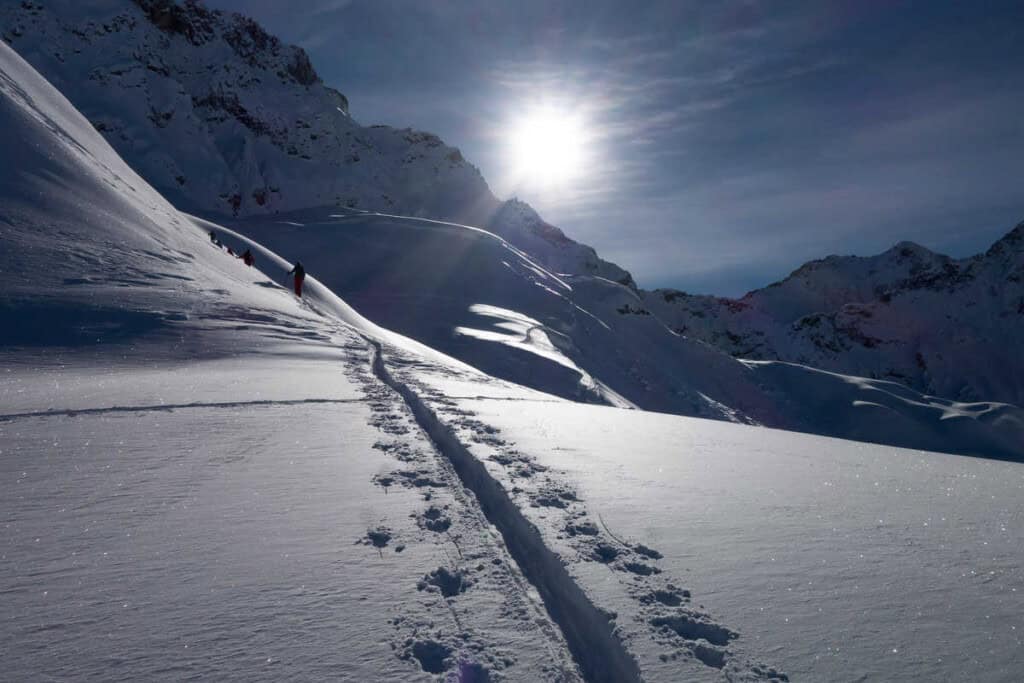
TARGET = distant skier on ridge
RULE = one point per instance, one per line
(300, 275)
(248, 258)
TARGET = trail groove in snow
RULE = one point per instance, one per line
(71, 412)
(588, 631)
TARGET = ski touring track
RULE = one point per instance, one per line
(537, 577)
(493, 541)
(457, 641)
(587, 631)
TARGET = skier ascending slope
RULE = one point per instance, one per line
(248, 258)
(300, 275)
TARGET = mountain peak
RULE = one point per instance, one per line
(1010, 243)
(908, 248)
(223, 118)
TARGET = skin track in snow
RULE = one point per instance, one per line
(589, 633)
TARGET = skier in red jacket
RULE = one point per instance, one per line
(300, 274)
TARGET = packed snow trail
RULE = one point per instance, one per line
(170, 407)
(590, 635)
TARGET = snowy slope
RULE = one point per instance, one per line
(222, 118)
(471, 295)
(941, 326)
(832, 559)
(204, 477)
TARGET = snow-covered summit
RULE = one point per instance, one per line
(223, 119)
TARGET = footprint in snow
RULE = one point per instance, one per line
(449, 582)
(434, 519)
(378, 538)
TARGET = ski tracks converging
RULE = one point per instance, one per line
(474, 598)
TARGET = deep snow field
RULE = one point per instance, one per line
(204, 477)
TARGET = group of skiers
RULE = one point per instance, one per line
(247, 257)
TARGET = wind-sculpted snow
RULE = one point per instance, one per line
(469, 294)
(888, 412)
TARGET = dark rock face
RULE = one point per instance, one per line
(191, 20)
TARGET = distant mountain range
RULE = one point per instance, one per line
(952, 328)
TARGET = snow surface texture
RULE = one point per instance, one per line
(470, 294)
(221, 117)
(206, 477)
(835, 560)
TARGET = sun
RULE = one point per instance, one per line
(548, 146)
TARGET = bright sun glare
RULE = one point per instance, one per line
(548, 146)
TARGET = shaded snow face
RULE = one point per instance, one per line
(519, 331)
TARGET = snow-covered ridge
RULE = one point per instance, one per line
(223, 119)
(469, 294)
(942, 326)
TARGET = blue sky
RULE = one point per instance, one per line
(730, 142)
